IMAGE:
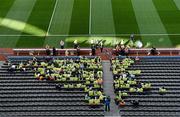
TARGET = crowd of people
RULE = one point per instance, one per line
(83, 74)
(71, 72)
(121, 48)
(23, 66)
(94, 46)
(125, 82)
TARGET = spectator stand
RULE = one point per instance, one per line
(160, 71)
(62, 102)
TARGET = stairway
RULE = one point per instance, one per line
(109, 89)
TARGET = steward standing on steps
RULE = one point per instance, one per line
(107, 103)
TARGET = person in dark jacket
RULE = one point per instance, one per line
(54, 51)
(93, 49)
(78, 51)
(135, 103)
(107, 102)
(153, 51)
(48, 52)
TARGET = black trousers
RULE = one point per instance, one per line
(107, 107)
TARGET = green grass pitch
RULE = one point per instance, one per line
(35, 23)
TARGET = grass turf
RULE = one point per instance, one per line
(80, 17)
(170, 15)
(102, 17)
(40, 17)
(62, 17)
(149, 22)
(71, 17)
(124, 17)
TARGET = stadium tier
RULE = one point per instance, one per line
(51, 86)
(89, 58)
(152, 101)
(32, 92)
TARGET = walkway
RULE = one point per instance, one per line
(109, 89)
(5, 52)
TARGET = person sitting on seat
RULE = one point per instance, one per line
(140, 90)
(21, 65)
(91, 102)
(124, 94)
(147, 86)
(96, 101)
(91, 93)
(162, 90)
(118, 99)
(58, 86)
(135, 103)
(122, 103)
(12, 68)
(41, 77)
(87, 97)
(66, 86)
(132, 90)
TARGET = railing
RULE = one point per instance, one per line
(86, 51)
(41, 51)
(144, 51)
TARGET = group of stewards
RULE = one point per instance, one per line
(94, 46)
(125, 83)
(84, 74)
(121, 50)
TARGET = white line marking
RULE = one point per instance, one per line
(50, 23)
(105, 35)
(90, 15)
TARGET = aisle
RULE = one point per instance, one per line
(108, 88)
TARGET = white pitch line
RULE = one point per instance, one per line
(90, 15)
(50, 23)
(105, 35)
(120, 35)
